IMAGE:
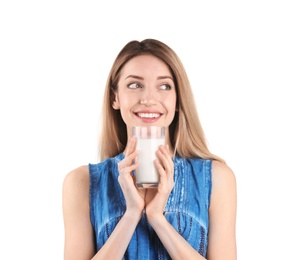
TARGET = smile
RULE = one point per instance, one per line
(148, 115)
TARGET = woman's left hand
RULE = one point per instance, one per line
(155, 199)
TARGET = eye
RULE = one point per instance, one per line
(165, 87)
(134, 85)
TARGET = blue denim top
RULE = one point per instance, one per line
(186, 209)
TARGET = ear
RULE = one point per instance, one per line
(115, 103)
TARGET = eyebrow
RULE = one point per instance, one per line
(133, 76)
(141, 78)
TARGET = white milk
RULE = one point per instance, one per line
(146, 172)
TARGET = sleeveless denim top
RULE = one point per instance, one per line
(186, 209)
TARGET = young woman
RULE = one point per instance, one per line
(192, 213)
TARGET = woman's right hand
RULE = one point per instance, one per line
(134, 197)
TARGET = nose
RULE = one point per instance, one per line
(148, 97)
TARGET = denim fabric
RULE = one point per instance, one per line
(186, 209)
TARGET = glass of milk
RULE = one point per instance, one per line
(148, 140)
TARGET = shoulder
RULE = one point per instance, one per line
(77, 175)
(76, 182)
(223, 181)
(222, 173)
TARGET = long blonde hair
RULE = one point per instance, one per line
(186, 133)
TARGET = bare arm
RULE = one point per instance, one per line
(79, 240)
(176, 246)
(79, 237)
(222, 215)
(78, 230)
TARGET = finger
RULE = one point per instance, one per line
(131, 146)
(160, 170)
(128, 169)
(128, 160)
(165, 159)
(165, 183)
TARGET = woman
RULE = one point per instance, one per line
(192, 213)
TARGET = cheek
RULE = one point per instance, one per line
(124, 101)
(171, 107)
(126, 105)
(173, 102)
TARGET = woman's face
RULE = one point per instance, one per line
(146, 93)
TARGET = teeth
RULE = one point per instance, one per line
(148, 115)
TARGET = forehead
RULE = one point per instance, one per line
(146, 63)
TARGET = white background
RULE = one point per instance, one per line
(243, 59)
